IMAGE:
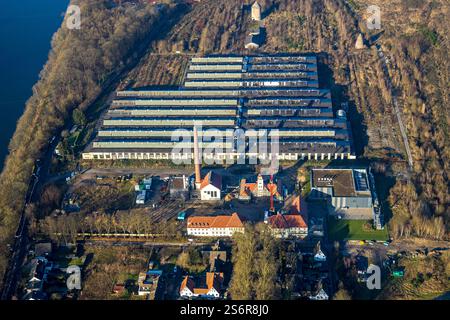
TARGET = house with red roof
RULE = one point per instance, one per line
(209, 287)
(214, 226)
(211, 187)
(287, 226)
(293, 224)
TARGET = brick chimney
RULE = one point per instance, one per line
(197, 161)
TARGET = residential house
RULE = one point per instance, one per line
(34, 285)
(211, 187)
(209, 287)
(320, 295)
(286, 226)
(292, 224)
(148, 282)
(40, 267)
(37, 275)
(319, 256)
(214, 226)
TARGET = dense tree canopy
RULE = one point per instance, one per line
(255, 265)
(81, 63)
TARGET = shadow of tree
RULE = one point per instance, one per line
(273, 7)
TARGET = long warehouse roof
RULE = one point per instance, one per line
(220, 93)
(230, 92)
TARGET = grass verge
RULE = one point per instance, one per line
(354, 230)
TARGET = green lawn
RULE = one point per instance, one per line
(76, 261)
(354, 230)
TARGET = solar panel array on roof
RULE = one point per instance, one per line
(249, 93)
(360, 180)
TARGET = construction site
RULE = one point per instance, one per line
(234, 95)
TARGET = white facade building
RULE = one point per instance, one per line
(210, 193)
(211, 187)
(216, 226)
(210, 289)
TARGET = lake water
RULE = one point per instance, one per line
(26, 29)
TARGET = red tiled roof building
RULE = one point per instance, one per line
(291, 225)
(214, 226)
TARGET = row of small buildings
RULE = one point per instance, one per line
(228, 94)
(292, 224)
(309, 273)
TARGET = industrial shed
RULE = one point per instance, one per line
(349, 192)
(225, 93)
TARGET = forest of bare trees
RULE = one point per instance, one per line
(80, 65)
(416, 39)
(64, 228)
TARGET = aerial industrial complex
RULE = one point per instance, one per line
(279, 94)
(275, 167)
